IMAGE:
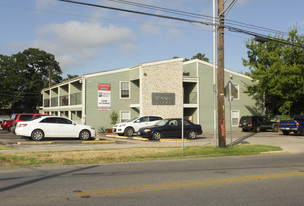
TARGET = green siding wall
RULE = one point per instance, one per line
(205, 74)
(101, 118)
(245, 105)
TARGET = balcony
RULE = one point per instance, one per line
(64, 100)
(76, 98)
(46, 103)
(54, 102)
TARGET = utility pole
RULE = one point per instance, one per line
(220, 76)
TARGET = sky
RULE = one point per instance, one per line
(88, 39)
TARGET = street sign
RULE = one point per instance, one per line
(232, 91)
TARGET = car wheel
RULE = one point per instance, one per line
(157, 135)
(84, 135)
(129, 131)
(10, 129)
(37, 135)
(192, 135)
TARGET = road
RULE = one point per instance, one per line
(246, 180)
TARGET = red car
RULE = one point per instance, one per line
(7, 124)
(23, 117)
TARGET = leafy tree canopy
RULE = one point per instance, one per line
(70, 76)
(24, 75)
(197, 56)
(277, 70)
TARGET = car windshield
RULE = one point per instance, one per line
(131, 120)
(162, 122)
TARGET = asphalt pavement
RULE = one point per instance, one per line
(289, 143)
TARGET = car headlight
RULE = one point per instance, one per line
(147, 130)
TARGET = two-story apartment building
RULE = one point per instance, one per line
(169, 88)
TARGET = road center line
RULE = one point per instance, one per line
(187, 184)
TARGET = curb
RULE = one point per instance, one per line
(34, 143)
(173, 140)
(98, 141)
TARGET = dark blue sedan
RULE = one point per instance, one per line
(171, 128)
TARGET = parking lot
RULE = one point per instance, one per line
(289, 143)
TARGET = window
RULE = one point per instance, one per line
(236, 97)
(144, 119)
(124, 90)
(25, 117)
(49, 120)
(235, 118)
(124, 116)
(64, 121)
(186, 123)
(173, 123)
(154, 118)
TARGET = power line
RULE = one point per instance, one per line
(190, 14)
(138, 12)
(228, 22)
(227, 26)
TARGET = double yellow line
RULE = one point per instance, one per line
(186, 184)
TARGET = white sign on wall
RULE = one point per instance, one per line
(104, 96)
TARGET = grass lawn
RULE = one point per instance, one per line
(9, 160)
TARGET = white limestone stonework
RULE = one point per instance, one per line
(162, 77)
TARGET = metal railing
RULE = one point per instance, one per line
(54, 102)
(64, 100)
(46, 103)
(76, 98)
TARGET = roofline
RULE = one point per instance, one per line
(132, 67)
(211, 65)
(62, 83)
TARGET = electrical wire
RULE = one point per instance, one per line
(230, 28)
(189, 14)
(138, 12)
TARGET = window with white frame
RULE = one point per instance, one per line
(235, 115)
(237, 96)
(125, 90)
(124, 116)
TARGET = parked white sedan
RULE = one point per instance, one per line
(52, 126)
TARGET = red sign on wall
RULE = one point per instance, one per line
(104, 96)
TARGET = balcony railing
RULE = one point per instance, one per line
(54, 102)
(64, 100)
(46, 103)
(76, 98)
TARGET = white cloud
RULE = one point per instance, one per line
(44, 3)
(74, 43)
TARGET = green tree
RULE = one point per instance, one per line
(114, 117)
(70, 76)
(277, 70)
(24, 75)
(199, 56)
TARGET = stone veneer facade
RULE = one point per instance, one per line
(162, 77)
